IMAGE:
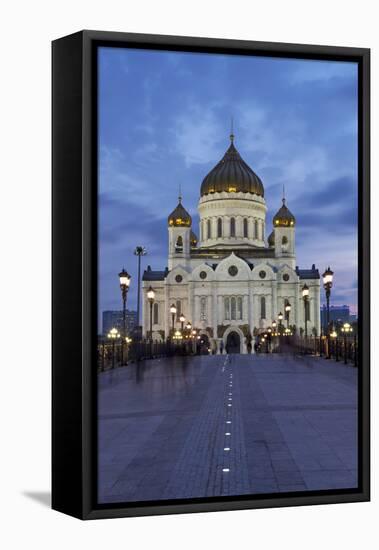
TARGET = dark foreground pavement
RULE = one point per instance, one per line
(212, 425)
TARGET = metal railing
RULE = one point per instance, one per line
(344, 349)
(111, 355)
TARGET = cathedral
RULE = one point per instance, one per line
(231, 284)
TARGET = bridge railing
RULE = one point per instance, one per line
(111, 355)
(343, 349)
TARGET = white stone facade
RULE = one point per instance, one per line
(233, 280)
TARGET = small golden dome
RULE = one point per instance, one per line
(179, 217)
(283, 217)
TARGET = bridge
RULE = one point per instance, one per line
(210, 425)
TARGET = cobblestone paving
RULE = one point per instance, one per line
(226, 425)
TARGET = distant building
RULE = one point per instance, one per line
(115, 319)
(337, 314)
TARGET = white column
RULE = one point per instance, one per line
(299, 303)
(251, 228)
(268, 309)
(197, 311)
(245, 309)
(257, 312)
(275, 310)
(239, 227)
(214, 227)
(250, 313)
(214, 312)
(226, 227)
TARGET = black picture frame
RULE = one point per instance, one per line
(74, 271)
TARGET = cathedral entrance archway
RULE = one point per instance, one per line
(233, 342)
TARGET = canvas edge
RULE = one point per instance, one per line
(84, 507)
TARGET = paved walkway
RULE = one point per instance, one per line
(218, 425)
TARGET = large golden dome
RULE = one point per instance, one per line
(232, 175)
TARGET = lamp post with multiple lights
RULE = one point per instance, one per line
(125, 279)
(150, 297)
(327, 277)
(113, 335)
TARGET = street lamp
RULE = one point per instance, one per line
(113, 335)
(125, 279)
(287, 310)
(346, 329)
(139, 251)
(173, 313)
(327, 277)
(182, 319)
(188, 329)
(150, 297)
(305, 292)
(128, 341)
(280, 317)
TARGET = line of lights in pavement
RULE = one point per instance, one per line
(228, 410)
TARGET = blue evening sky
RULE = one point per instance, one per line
(164, 120)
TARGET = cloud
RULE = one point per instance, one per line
(196, 135)
(314, 71)
(164, 121)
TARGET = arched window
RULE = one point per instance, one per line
(203, 308)
(256, 229)
(227, 308)
(155, 314)
(233, 308)
(284, 244)
(245, 228)
(179, 244)
(209, 230)
(284, 240)
(178, 309)
(263, 307)
(239, 307)
(219, 227)
(232, 227)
